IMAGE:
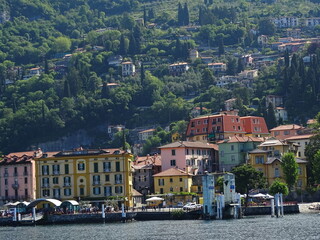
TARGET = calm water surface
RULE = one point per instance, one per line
(299, 226)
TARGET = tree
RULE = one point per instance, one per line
(266, 27)
(180, 15)
(271, 117)
(315, 167)
(248, 178)
(207, 79)
(186, 16)
(61, 44)
(221, 46)
(290, 169)
(278, 187)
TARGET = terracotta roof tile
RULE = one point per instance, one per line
(184, 144)
(172, 172)
(287, 127)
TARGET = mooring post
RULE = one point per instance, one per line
(272, 207)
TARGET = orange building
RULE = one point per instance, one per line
(224, 125)
(285, 131)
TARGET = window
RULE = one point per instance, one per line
(232, 147)
(173, 162)
(118, 179)
(299, 170)
(107, 191)
(55, 180)
(67, 192)
(276, 172)
(26, 192)
(161, 182)
(45, 192)
(299, 183)
(25, 180)
(45, 170)
(67, 181)
(222, 153)
(181, 189)
(56, 169)
(5, 181)
(233, 159)
(96, 179)
(81, 191)
(192, 124)
(161, 190)
(107, 166)
(107, 178)
(15, 173)
(66, 169)
(171, 189)
(96, 190)
(95, 167)
(56, 192)
(81, 166)
(45, 182)
(259, 159)
(118, 189)
(173, 152)
(286, 132)
(276, 133)
(180, 179)
(199, 122)
(25, 171)
(219, 119)
(117, 166)
(171, 180)
(214, 121)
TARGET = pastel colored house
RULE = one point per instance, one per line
(233, 151)
(85, 174)
(286, 131)
(17, 176)
(224, 125)
(217, 68)
(302, 142)
(192, 157)
(269, 162)
(144, 169)
(144, 135)
(128, 69)
(177, 69)
(172, 180)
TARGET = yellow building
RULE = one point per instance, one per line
(85, 174)
(267, 159)
(172, 180)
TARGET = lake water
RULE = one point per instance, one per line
(298, 226)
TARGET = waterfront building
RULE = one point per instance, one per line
(172, 180)
(144, 169)
(85, 174)
(17, 176)
(192, 157)
(233, 151)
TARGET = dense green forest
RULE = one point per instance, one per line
(38, 33)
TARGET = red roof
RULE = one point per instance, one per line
(147, 160)
(254, 125)
(236, 139)
(286, 127)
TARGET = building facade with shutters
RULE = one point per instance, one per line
(85, 174)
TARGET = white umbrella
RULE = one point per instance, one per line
(154, 199)
(268, 196)
(258, 195)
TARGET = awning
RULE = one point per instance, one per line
(154, 199)
(55, 202)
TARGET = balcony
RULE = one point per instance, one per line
(56, 172)
(15, 174)
(67, 184)
(6, 175)
(46, 185)
(107, 170)
(195, 167)
(25, 173)
(96, 183)
(15, 186)
(118, 181)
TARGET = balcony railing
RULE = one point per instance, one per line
(45, 185)
(67, 184)
(6, 175)
(25, 173)
(15, 186)
(118, 181)
(15, 174)
(107, 170)
(56, 172)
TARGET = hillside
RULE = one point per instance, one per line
(56, 68)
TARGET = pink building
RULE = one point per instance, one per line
(285, 131)
(17, 176)
(192, 157)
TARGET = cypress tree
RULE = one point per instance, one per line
(132, 45)
(142, 74)
(180, 15)
(105, 91)
(186, 16)
(271, 117)
(221, 47)
(66, 89)
(240, 67)
(122, 47)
